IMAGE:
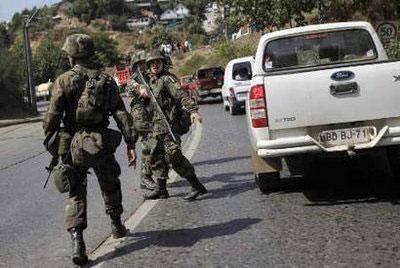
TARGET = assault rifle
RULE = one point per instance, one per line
(51, 143)
(142, 81)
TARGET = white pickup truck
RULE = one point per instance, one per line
(321, 90)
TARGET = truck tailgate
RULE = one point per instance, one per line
(314, 98)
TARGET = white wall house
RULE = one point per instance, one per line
(178, 13)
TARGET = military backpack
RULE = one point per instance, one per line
(93, 105)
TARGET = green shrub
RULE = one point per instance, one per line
(194, 63)
(393, 48)
(48, 61)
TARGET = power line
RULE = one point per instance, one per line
(35, 13)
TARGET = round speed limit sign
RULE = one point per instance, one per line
(387, 30)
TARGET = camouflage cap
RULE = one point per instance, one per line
(79, 46)
(155, 55)
(138, 57)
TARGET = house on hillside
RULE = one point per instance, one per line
(139, 3)
(134, 23)
(174, 15)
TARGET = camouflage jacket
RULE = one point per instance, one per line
(140, 115)
(67, 90)
(169, 95)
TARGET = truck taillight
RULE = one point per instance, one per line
(258, 107)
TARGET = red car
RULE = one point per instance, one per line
(208, 82)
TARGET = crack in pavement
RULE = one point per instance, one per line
(20, 138)
(23, 160)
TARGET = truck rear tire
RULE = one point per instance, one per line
(268, 182)
(393, 154)
(233, 110)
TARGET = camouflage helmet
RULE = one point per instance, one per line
(138, 57)
(79, 46)
(155, 55)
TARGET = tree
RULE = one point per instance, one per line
(5, 38)
(106, 50)
(261, 14)
(48, 61)
(118, 23)
(196, 7)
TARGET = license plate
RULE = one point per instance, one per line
(347, 136)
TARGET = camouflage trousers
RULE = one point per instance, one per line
(145, 168)
(164, 151)
(107, 171)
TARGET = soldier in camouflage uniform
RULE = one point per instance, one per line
(164, 150)
(141, 120)
(69, 89)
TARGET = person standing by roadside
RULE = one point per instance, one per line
(141, 120)
(82, 101)
(164, 149)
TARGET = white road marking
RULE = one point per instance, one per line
(111, 244)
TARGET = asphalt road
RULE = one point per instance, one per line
(32, 218)
(345, 214)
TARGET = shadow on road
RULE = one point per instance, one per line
(346, 181)
(233, 185)
(220, 161)
(210, 101)
(176, 238)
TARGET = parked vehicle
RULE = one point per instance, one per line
(186, 82)
(208, 82)
(323, 89)
(238, 73)
(43, 91)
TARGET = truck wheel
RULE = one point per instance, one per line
(297, 165)
(268, 182)
(393, 154)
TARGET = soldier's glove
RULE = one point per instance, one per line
(143, 92)
(131, 152)
(196, 117)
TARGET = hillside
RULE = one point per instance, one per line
(106, 21)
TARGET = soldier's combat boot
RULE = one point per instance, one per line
(78, 256)
(147, 182)
(197, 189)
(118, 229)
(160, 192)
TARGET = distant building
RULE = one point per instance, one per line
(173, 15)
(139, 3)
(135, 23)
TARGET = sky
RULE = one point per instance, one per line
(9, 7)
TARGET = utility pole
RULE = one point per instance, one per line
(28, 60)
(226, 14)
